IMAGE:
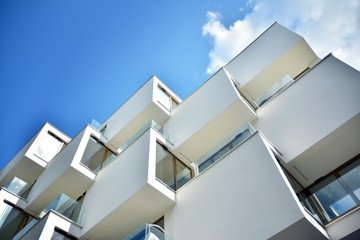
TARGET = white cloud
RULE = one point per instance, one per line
(328, 26)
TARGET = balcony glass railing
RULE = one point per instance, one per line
(63, 205)
(334, 195)
(96, 155)
(151, 124)
(274, 90)
(17, 186)
(224, 146)
(11, 220)
(148, 232)
(66, 206)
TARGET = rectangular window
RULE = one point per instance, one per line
(96, 155)
(12, 220)
(49, 146)
(336, 194)
(170, 170)
(166, 100)
(351, 177)
(17, 186)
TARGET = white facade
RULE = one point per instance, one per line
(267, 148)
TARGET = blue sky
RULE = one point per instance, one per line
(66, 62)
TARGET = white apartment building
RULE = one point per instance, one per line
(267, 148)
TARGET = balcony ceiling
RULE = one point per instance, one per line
(327, 154)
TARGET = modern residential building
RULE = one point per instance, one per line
(267, 148)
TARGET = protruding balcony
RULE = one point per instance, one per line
(252, 161)
(334, 200)
(153, 101)
(64, 207)
(112, 203)
(71, 172)
(35, 155)
(262, 64)
(207, 116)
(324, 131)
(12, 217)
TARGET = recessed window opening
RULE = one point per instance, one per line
(171, 170)
(13, 219)
(97, 155)
(17, 186)
(49, 146)
(335, 194)
(160, 222)
(165, 99)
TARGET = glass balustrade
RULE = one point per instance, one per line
(17, 186)
(12, 219)
(66, 206)
(96, 155)
(63, 205)
(148, 232)
(224, 146)
(274, 90)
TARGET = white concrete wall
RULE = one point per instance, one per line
(25, 159)
(311, 108)
(48, 186)
(130, 109)
(10, 167)
(126, 193)
(39, 140)
(117, 182)
(262, 52)
(243, 196)
(200, 108)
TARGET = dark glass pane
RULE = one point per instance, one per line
(183, 174)
(351, 176)
(164, 166)
(332, 197)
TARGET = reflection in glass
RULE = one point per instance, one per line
(59, 234)
(275, 89)
(332, 197)
(96, 155)
(351, 176)
(171, 170)
(148, 232)
(17, 186)
(11, 220)
(183, 174)
(165, 99)
(164, 166)
(225, 149)
(49, 147)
